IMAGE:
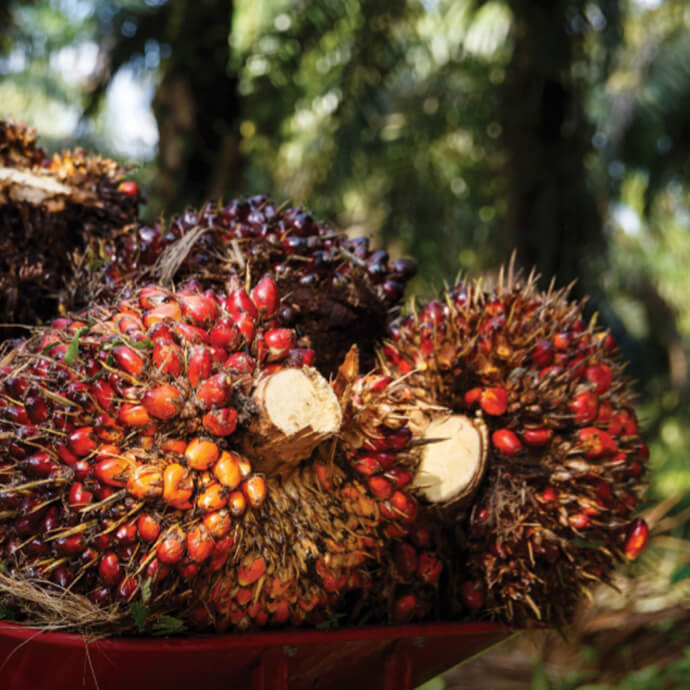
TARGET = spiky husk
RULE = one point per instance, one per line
(118, 475)
(50, 208)
(553, 514)
(338, 291)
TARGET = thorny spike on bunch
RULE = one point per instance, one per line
(49, 209)
(552, 514)
(112, 481)
(338, 292)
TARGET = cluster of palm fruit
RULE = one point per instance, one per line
(50, 208)
(564, 456)
(338, 290)
(176, 443)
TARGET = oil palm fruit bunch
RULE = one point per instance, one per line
(138, 439)
(50, 207)
(543, 456)
(312, 551)
(338, 291)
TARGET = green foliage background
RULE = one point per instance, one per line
(453, 131)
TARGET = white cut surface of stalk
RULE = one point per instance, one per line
(452, 464)
(298, 399)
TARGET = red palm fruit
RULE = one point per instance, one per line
(561, 341)
(66, 455)
(40, 465)
(200, 365)
(254, 489)
(404, 609)
(404, 506)
(224, 334)
(148, 526)
(81, 441)
(237, 503)
(128, 588)
(549, 495)
(265, 296)
(246, 325)
(201, 454)
(243, 596)
(199, 309)
(380, 487)
(129, 359)
(214, 391)
(493, 401)
(107, 429)
(100, 596)
(536, 437)
(227, 470)
(579, 521)
(79, 496)
(212, 498)
(109, 569)
(543, 354)
(82, 470)
(429, 568)
(605, 412)
(36, 409)
(506, 442)
(623, 423)
(218, 523)
(472, 594)
(162, 331)
(279, 342)
(636, 539)
(596, 443)
(133, 415)
(399, 476)
(405, 558)
(174, 445)
(126, 534)
(367, 465)
(171, 548)
(168, 357)
(240, 362)
(222, 422)
(129, 188)
(178, 486)
(156, 571)
(585, 407)
(163, 402)
(71, 546)
(192, 335)
(199, 544)
(169, 311)
(146, 482)
(238, 302)
(601, 375)
(250, 570)
(603, 492)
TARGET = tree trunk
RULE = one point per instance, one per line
(197, 107)
(554, 221)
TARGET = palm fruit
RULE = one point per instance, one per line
(338, 291)
(122, 471)
(551, 484)
(50, 208)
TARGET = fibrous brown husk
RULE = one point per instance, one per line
(49, 209)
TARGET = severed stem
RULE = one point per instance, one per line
(297, 409)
